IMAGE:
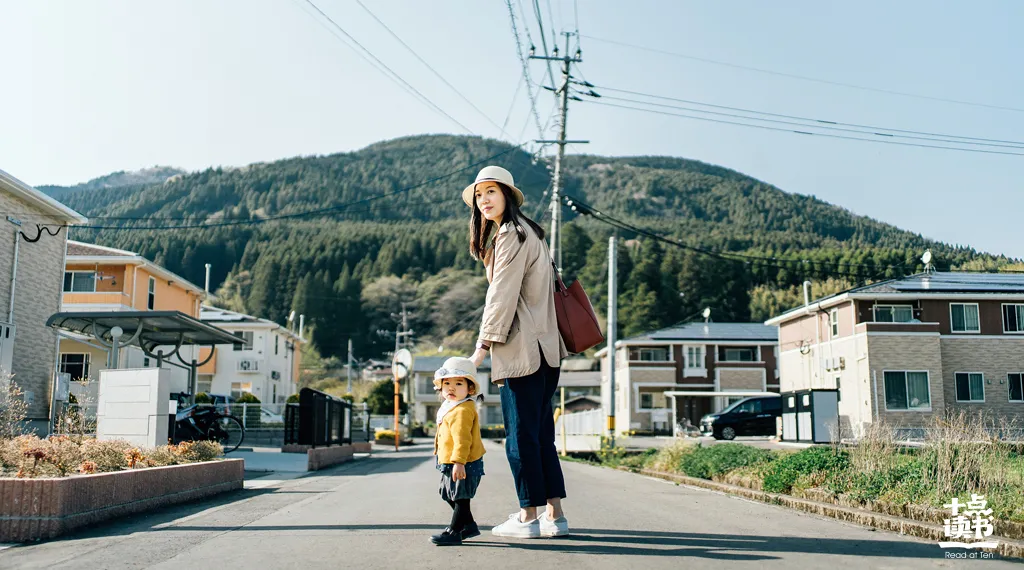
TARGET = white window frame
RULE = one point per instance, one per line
(833, 321)
(73, 272)
(247, 343)
(892, 308)
(956, 394)
(151, 294)
(640, 350)
(725, 349)
(701, 358)
(1002, 316)
(86, 364)
(1008, 381)
(885, 400)
(965, 305)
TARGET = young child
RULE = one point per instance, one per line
(458, 447)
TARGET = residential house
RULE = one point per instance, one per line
(684, 372)
(32, 247)
(267, 366)
(906, 350)
(105, 279)
(581, 378)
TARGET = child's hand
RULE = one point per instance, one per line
(458, 472)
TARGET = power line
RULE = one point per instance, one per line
(389, 70)
(806, 78)
(587, 210)
(526, 66)
(432, 70)
(823, 123)
(544, 42)
(808, 133)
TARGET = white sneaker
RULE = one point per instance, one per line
(512, 528)
(551, 528)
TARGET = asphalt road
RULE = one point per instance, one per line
(379, 513)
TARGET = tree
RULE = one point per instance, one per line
(382, 399)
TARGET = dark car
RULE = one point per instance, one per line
(749, 416)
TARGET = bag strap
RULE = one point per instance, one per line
(558, 278)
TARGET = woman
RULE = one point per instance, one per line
(520, 331)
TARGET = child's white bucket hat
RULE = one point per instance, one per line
(456, 367)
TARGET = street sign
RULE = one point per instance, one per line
(402, 364)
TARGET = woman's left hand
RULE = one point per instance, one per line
(478, 357)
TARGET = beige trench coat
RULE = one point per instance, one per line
(519, 316)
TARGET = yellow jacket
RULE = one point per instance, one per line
(458, 436)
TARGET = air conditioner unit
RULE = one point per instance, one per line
(247, 365)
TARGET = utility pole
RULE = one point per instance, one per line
(613, 309)
(349, 373)
(563, 103)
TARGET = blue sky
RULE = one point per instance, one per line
(97, 86)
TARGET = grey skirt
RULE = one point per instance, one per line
(452, 490)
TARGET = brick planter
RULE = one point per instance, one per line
(34, 509)
(318, 458)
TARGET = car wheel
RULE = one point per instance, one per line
(728, 433)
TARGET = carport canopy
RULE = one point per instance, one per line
(145, 329)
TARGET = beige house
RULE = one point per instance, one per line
(905, 350)
(32, 249)
(685, 372)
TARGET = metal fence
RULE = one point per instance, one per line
(318, 420)
(590, 422)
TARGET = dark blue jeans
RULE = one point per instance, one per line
(530, 436)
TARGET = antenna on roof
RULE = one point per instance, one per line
(927, 260)
(707, 314)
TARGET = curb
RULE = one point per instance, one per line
(1007, 548)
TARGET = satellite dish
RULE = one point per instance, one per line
(291, 317)
(707, 312)
(402, 364)
(927, 257)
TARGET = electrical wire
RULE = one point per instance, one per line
(806, 78)
(807, 133)
(397, 77)
(525, 65)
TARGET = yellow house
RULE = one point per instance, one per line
(98, 278)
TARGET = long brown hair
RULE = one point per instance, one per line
(481, 229)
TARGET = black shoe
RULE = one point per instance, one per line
(470, 531)
(448, 538)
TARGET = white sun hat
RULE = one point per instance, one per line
(495, 174)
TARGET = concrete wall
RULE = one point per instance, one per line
(895, 352)
(993, 357)
(37, 295)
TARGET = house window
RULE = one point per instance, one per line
(648, 354)
(737, 354)
(970, 387)
(277, 341)
(964, 317)
(145, 362)
(1013, 318)
(894, 313)
(151, 301)
(833, 318)
(426, 385)
(246, 337)
(652, 400)
(239, 388)
(646, 401)
(75, 365)
(493, 389)
(273, 397)
(1016, 386)
(907, 390)
(79, 281)
(695, 357)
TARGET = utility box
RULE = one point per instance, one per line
(811, 416)
(133, 405)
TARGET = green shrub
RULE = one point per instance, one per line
(610, 454)
(638, 461)
(904, 482)
(706, 462)
(293, 399)
(203, 398)
(667, 459)
(784, 472)
(247, 398)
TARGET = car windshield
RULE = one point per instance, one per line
(732, 407)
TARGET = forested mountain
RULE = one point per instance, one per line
(346, 238)
(137, 179)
